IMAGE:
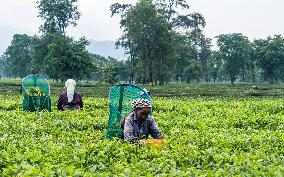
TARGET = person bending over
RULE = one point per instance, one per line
(139, 124)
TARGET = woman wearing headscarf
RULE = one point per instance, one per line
(70, 100)
(139, 124)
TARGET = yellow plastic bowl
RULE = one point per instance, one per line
(153, 143)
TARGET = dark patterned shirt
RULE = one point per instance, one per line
(63, 100)
(133, 130)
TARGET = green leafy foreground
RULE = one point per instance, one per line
(204, 137)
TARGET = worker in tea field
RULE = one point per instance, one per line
(139, 124)
(70, 100)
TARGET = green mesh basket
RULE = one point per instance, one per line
(120, 98)
(36, 102)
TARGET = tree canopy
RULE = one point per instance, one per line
(163, 39)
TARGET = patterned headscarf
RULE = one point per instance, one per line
(140, 103)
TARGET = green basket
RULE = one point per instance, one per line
(120, 98)
(36, 103)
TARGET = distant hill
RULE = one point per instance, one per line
(106, 49)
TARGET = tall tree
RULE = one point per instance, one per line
(270, 57)
(68, 59)
(57, 15)
(234, 50)
(149, 34)
(39, 52)
(125, 41)
(130, 50)
(4, 67)
(186, 44)
(172, 11)
(204, 54)
(251, 64)
(184, 53)
(193, 71)
(215, 65)
(18, 55)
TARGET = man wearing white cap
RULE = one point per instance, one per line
(70, 100)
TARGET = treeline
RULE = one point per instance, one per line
(56, 58)
(163, 40)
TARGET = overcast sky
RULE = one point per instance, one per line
(253, 18)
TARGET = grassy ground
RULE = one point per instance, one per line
(210, 130)
(13, 86)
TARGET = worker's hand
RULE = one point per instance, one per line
(141, 142)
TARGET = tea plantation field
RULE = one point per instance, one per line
(205, 136)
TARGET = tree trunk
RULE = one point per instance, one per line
(161, 82)
(150, 73)
(188, 80)
(253, 77)
(275, 78)
(232, 81)
(132, 78)
(207, 77)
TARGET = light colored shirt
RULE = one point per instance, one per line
(133, 130)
